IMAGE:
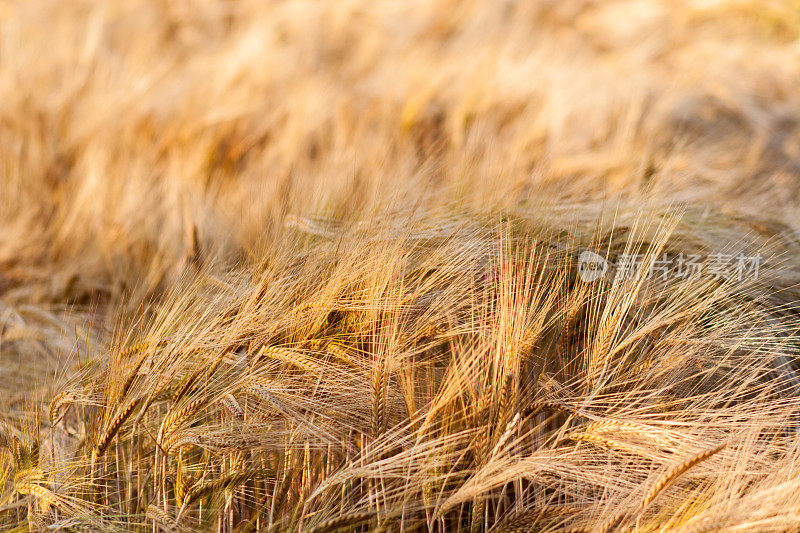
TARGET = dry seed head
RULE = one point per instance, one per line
(341, 353)
(157, 514)
(176, 418)
(598, 439)
(180, 440)
(123, 391)
(675, 472)
(113, 428)
(59, 405)
(46, 497)
(509, 431)
(638, 430)
(141, 347)
(16, 449)
(505, 399)
(211, 488)
(292, 358)
(565, 335)
(379, 385)
(599, 353)
(704, 525)
(189, 382)
(549, 405)
(28, 475)
(230, 403)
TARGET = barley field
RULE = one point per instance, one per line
(425, 266)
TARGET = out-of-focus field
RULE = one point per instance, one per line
(310, 266)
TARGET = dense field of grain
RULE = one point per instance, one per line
(317, 266)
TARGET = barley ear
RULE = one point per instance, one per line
(61, 400)
(112, 429)
(675, 472)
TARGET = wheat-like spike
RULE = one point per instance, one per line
(345, 521)
(112, 429)
(180, 440)
(477, 518)
(157, 514)
(80, 525)
(314, 305)
(431, 329)
(483, 408)
(34, 450)
(379, 399)
(217, 363)
(190, 381)
(529, 340)
(504, 406)
(230, 403)
(176, 418)
(565, 335)
(675, 472)
(183, 481)
(509, 431)
(289, 474)
(386, 524)
(16, 450)
(597, 439)
(663, 482)
(142, 346)
(292, 358)
(557, 510)
(549, 405)
(26, 475)
(46, 497)
(481, 416)
(131, 377)
(61, 400)
(635, 429)
(340, 352)
(602, 347)
(317, 344)
(214, 486)
(263, 393)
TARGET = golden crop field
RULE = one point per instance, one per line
(422, 265)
